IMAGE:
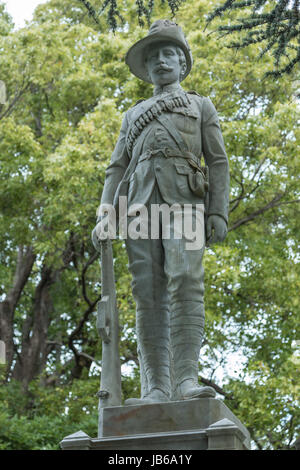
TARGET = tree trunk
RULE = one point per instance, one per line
(34, 348)
(25, 261)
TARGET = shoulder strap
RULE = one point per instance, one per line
(193, 92)
(139, 101)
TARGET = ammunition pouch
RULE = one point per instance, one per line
(198, 182)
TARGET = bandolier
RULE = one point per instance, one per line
(170, 103)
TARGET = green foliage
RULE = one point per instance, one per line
(274, 25)
(40, 419)
(67, 88)
(6, 24)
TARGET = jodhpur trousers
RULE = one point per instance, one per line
(168, 288)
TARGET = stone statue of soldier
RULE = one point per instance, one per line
(158, 155)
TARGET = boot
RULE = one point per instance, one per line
(154, 355)
(187, 326)
(154, 396)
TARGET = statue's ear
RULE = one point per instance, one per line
(183, 69)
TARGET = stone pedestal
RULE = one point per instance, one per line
(198, 424)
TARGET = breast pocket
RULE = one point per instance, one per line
(187, 124)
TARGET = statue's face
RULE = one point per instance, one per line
(163, 64)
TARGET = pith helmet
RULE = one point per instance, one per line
(160, 31)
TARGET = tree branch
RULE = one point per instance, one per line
(17, 97)
(218, 389)
(245, 220)
(84, 270)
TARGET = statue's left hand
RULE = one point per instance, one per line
(216, 229)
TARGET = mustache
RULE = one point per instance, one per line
(163, 67)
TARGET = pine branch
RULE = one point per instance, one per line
(91, 10)
(278, 28)
(144, 10)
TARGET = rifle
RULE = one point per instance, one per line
(108, 329)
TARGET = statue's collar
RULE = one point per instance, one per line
(158, 90)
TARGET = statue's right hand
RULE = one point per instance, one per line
(99, 234)
(95, 239)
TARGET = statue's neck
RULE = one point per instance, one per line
(169, 88)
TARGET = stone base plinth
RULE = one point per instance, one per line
(198, 424)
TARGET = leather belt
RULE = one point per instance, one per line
(169, 153)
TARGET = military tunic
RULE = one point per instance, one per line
(199, 126)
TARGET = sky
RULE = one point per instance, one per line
(21, 10)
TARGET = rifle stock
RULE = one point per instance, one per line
(108, 328)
